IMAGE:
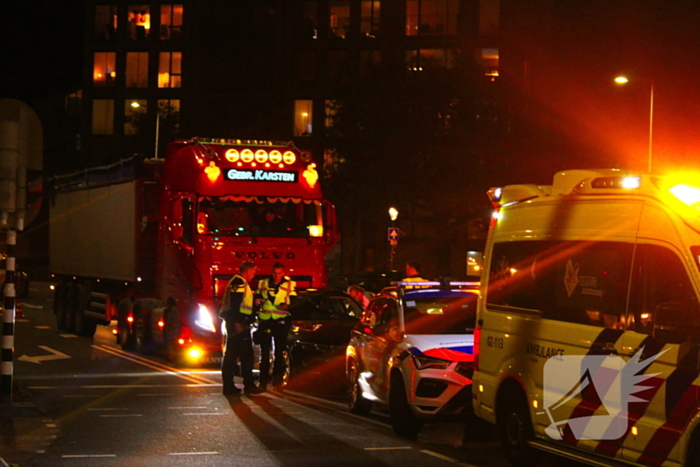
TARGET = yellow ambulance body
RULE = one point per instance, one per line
(588, 324)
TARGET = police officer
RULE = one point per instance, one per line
(237, 312)
(273, 322)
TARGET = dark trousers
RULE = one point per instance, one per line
(272, 330)
(238, 345)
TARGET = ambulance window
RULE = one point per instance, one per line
(663, 302)
(578, 282)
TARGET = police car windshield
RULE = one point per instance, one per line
(256, 218)
(454, 314)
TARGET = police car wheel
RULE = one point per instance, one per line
(356, 401)
(515, 429)
(403, 421)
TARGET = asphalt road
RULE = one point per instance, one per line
(101, 406)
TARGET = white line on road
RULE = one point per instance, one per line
(155, 395)
(72, 395)
(202, 413)
(35, 307)
(68, 336)
(84, 456)
(126, 385)
(122, 415)
(389, 448)
(42, 327)
(446, 458)
(106, 409)
(186, 408)
(193, 453)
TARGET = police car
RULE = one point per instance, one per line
(588, 325)
(412, 350)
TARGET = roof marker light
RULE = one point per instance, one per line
(630, 182)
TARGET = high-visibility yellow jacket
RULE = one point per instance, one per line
(237, 300)
(274, 299)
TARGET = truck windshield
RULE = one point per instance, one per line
(257, 218)
(440, 315)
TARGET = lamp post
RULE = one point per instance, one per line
(136, 105)
(624, 80)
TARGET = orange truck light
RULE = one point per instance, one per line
(194, 352)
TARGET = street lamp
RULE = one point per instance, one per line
(136, 105)
(624, 80)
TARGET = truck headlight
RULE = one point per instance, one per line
(204, 319)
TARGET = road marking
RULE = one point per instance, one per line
(155, 395)
(186, 408)
(125, 385)
(69, 395)
(446, 458)
(56, 355)
(106, 409)
(211, 453)
(201, 413)
(35, 307)
(121, 415)
(68, 336)
(84, 456)
(389, 448)
(42, 327)
(154, 365)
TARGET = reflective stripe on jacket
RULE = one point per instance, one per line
(272, 301)
(237, 285)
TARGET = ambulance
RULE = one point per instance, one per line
(587, 340)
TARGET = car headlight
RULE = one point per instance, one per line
(422, 362)
(204, 319)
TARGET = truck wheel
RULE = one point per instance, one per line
(515, 429)
(83, 326)
(171, 335)
(141, 331)
(69, 307)
(403, 421)
(356, 401)
(126, 336)
(59, 306)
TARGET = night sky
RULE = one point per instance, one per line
(40, 48)
(574, 49)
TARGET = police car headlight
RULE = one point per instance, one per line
(204, 319)
(423, 363)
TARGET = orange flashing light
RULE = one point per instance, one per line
(194, 353)
(161, 323)
(289, 157)
(130, 319)
(275, 157)
(261, 156)
(232, 155)
(212, 171)
(247, 156)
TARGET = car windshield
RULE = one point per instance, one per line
(440, 315)
(325, 308)
(257, 218)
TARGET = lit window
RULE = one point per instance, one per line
(105, 22)
(489, 60)
(331, 110)
(171, 22)
(369, 59)
(137, 69)
(431, 17)
(339, 18)
(170, 70)
(139, 22)
(426, 59)
(369, 21)
(303, 117)
(169, 110)
(307, 26)
(103, 117)
(135, 116)
(74, 102)
(104, 72)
